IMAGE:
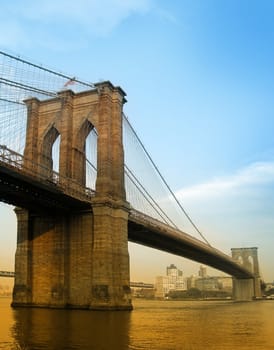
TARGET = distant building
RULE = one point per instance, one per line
(225, 283)
(172, 281)
(214, 283)
(162, 286)
(202, 272)
(207, 283)
(191, 282)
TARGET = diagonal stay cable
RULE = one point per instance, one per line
(145, 194)
(164, 181)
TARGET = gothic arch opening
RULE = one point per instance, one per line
(250, 263)
(91, 159)
(240, 259)
(55, 154)
(50, 146)
(86, 155)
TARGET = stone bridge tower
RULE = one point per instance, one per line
(78, 259)
(247, 289)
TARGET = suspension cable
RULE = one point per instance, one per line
(47, 70)
(164, 181)
(145, 193)
(10, 101)
(141, 189)
(27, 87)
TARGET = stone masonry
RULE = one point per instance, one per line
(80, 259)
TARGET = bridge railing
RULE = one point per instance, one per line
(71, 187)
(10, 157)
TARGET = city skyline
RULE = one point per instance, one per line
(199, 80)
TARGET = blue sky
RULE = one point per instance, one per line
(199, 77)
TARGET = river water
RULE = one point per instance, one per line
(153, 325)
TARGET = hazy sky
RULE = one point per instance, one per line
(199, 77)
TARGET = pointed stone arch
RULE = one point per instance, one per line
(248, 256)
(240, 259)
(46, 161)
(79, 152)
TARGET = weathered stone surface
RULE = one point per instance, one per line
(79, 259)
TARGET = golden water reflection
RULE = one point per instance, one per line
(70, 329)
(165, 325)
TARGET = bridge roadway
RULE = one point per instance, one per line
(20, 188)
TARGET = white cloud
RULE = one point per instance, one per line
(260, 173)
(63, 25)
(99, 17)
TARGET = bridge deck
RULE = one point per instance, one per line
(155, 234)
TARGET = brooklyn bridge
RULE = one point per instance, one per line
(83, 185)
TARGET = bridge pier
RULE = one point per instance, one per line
(75, 261)
(243, 289)
(22, 284)
(247, 289)
(53, 261)
(110, 278)
(78, 258)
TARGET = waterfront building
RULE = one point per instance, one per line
(214, 283)
(207, 283)
(173, 280)
(162, 286)
(191, 282)
(225, 283)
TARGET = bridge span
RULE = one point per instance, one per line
(56, 197)
(150, 232)
(43, 194)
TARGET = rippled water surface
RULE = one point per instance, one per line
(152, 325)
